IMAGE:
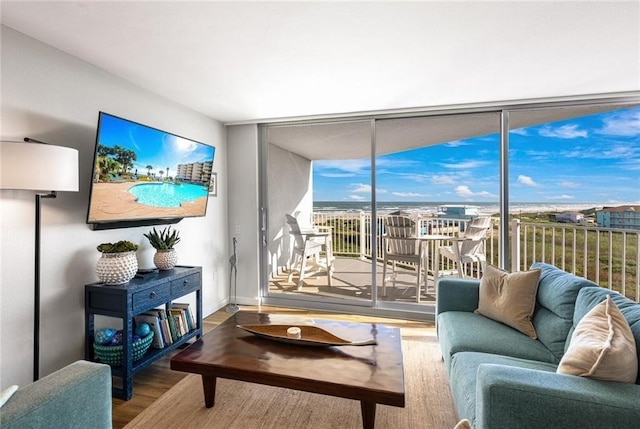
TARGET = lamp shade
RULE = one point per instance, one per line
(38, 167)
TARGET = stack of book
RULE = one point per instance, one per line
(169, 325)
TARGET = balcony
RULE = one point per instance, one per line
(606, 256)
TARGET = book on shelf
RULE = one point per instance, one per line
(189, 314)
(164, 324)
(181, 318)
(173, 329)
(154, 323)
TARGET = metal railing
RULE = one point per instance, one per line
(609, 257)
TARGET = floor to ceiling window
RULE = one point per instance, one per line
(567, 178)
(440, 170)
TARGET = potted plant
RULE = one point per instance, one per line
(118, 263)
(166, 256)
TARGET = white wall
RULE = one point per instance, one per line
(242, 164)
(290, 191)
(51, 96)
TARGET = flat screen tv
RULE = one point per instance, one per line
(145, 176)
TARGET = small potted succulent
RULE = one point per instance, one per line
(163, 241)
(118, 263)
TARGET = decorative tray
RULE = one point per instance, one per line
(303, 335)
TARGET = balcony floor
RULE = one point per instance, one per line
(352, 281)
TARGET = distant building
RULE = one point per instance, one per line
(570, 217)
(627, 217)
(199, 172)
(458, 212)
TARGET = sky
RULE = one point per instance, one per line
(152, 147)
(594, 159)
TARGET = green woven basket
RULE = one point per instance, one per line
(112, 355)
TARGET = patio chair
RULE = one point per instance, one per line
(401, 244)
(307, 246)
(468, 248)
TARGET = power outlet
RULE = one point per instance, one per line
(237, 229)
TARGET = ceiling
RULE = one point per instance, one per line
(251, 61)
(352, 139)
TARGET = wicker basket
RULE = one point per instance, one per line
(112, 355)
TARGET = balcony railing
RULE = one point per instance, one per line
(609, 257)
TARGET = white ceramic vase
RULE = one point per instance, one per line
(165, 259)
(117, 268)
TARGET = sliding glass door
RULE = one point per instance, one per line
(345, 179)
(320, 175)
(440, 172)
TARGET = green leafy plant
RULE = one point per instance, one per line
(163, 240)
(119, 247)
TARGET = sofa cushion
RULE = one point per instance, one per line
(509, 298)
(557, 294)
(589, 297)
(602, 346)
(461, 331)
(463, 377)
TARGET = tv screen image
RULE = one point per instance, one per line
(142, 173)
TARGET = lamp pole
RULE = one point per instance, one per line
(36, 290)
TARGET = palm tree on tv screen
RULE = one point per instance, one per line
(124, 156)
(149, 168)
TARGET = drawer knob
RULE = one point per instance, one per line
(153, 295)
(185, 282)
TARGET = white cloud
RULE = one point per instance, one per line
(362, 188)
(465, 165)
(563, 132)
(409, 194)
(357, 197)
(520, 132)
(465, 192)
(419, 178)
(625, 124)
(442, 179)
(457, 143)
(561, 197)
(526, 180)
(568, 184)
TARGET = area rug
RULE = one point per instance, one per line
(242, 405)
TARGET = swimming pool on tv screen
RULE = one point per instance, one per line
(167, 194)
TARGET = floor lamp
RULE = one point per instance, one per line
(36, 166)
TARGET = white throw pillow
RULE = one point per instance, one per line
(602, 346)
(7, 393)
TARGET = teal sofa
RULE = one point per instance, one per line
(501, 378)
(77, 396)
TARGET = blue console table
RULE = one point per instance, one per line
(126, 301)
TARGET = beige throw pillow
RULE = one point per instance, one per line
(602, 346)
(463, 424)
(509, 298)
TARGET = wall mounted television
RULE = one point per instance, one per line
(144, 176)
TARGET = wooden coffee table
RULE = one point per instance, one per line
(370, 374)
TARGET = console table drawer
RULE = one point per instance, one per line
(186, 284)
(151, 297)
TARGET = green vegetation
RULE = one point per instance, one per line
(163, 240)
(605, 253)
(119, 247)
(114, 161)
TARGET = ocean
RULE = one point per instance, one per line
(432, 207)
